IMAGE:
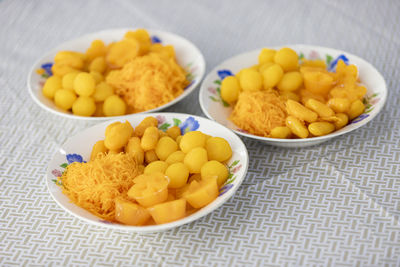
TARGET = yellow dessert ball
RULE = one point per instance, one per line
(250, 80)
(287, 58)
(96, 49)
(97, 76)
(143, 37)
(178, 174)
(144, 124)
(59, 69)
(68, 80)
(195, 159)
(280, 132)
(265, 66)
(150, 138)
(174, 132)
(98, 64)
(272, 75)
(165, 147)
(84, 84)
(230, 89)
(291, 81)
(102, 91)
(84, 106)
(156, 166)
(122, 51)
(114, 106)
(215, 168)
(191, 140)
(218, 149)
(266, 55)
(64, 98)
(117, 135)
(174, 157)
(51, 85)
(134, 148)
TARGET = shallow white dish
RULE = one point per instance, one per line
(78, 148)
(187, 55)
(214, 108)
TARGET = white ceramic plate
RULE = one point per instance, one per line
(187, 54)
(78, 148)
(213, 106)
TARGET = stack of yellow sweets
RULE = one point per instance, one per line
(282, 98)
(126, 76)
(172, 175)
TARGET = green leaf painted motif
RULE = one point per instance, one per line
(164, 126)
(218, 91)
(213, 99)
(64, 165)
(369, 110)
(328, 59)
(231, 180)
(177, 122)
(57, 182)
(189, 77)
(234, 163)
(225, 103)
(301, 56)
(217, 82)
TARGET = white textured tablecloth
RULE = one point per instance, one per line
(336, 204)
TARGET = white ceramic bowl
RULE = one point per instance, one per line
(214, 108)
(187, 54)
(78, 148)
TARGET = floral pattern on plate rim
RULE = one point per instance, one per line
(369, 100)
(190, 124)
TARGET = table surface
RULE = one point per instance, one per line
(335, 204)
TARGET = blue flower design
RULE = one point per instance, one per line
(74, 158)
(359, 118)
(332, 65)
(47, 68)
(190, 84)
(190, 124)
(225, 189)
(155, 39)
(224, 73)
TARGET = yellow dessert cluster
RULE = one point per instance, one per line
(103, 81)
(315, 101)
(179, 173)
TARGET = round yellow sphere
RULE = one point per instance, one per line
(68, 80)
(84, 106)
(64, 98)
(102, 91)
(213, 169)
(250, 80)
(51, 85)
(230, 89)
(287, 58)
(114, 106)
(84, 84)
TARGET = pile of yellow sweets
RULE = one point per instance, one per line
(180, 173)
(79, 81)
(305, 99)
